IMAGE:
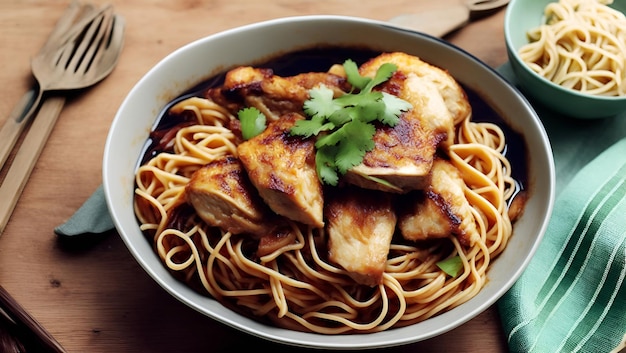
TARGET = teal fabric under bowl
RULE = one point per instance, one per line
(523, 15)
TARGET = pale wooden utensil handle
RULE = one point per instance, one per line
(13, 126)
(27, 156)
(25, 321)
(437, 22)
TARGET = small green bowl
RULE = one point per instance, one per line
(523, 15)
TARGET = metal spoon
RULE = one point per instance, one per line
(440, 22)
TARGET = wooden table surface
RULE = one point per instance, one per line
(91, 294)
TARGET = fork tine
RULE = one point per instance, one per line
(95, 46)
(115, 38)
(67, 55)
(79, 60)
(79, 19)
(117, 34)
(112, 45)
(86, 44)
(65, 22)
(105, 41)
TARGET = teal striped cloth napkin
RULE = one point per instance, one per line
(572, 296)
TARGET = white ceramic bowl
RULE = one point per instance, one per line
(199, 60)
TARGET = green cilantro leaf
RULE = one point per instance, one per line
(354, 77)
(383, 73)
(392, 105)
(372, 110)
(325, 165)
(320, 103)
(311, 127)
(356, 140)
(253, 122)
(343, 116)
(451, 266)
(344, 126)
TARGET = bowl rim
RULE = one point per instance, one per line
(313, 340)
(509, 16)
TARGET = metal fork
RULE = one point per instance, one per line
(88, 57)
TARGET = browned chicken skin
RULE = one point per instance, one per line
(403, 154)
(223, 197)
(442, 211)
(361, 224)
(282, 168)
(275, 95)
(452, 93)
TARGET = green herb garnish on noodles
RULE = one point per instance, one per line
(452, 266)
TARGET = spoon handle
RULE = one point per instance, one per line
(486, 5)
(481, 8)
(17, 120)
(442, 21)
(437, 22)
(26, 157)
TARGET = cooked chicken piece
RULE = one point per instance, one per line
(282, 168)
(402, 158)
(223, 197)
(403, 154)
(443, 209)
(453, 94)
(360, 226)
(275, 95)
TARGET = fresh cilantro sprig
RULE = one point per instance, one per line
(344, 126)
(253, 122)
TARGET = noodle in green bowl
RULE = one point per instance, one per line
(579, 59)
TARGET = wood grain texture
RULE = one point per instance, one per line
(91, 295)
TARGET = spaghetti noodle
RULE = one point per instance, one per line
(581, 46)
(296, 286)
